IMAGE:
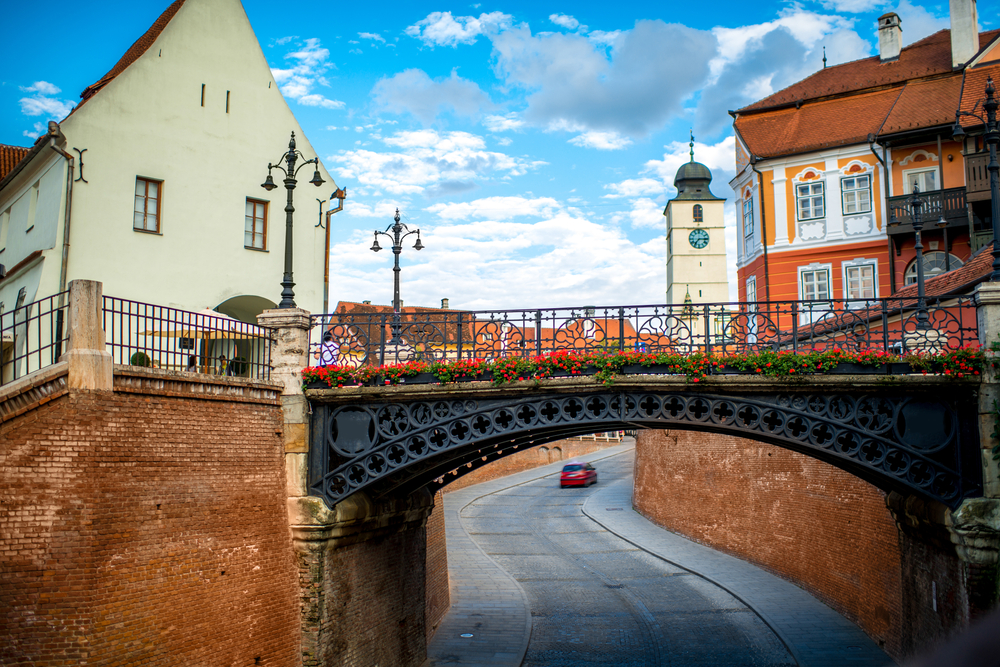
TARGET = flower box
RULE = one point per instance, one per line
(898, 368)
(419, 378)
(725, 369)
(565, 373)
(848, 368)
(654, 369)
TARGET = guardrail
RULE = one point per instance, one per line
(143, 334)
(32, 336)
(890, 324)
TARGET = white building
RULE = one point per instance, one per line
(166, 205)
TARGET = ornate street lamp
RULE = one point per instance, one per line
(397, 237)
(992, 138)
(290, 158)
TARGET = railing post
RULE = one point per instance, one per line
(795, 326)
(621, 329)
(458, 336)
(91, 366)
(708, 329)
(381, 345)
(289, 328)
(538, 333)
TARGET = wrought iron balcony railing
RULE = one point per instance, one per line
(880, 324)
(949, 204)
(32, 337)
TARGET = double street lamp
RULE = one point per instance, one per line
(992, 138)
(397, 237)
(290, 158)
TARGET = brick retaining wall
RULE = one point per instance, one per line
(147, 528)
(798, 517)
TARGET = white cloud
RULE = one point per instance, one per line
(375, 37)
(605, 141)
(505, 141)
(719, 158)
(646, 213)
(632, 90)
(42, 102)
(634, 187)
(853, 6)
(604, 38)
(496, 208)
(509, 121)
(565, 21)
(320, 101)
(428, 162)
(310, 63)
(441, 29)
(412, 91)
(39, 130)
(562, 258)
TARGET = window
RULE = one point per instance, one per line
(255, 231)
(809, 200)
(699, 214)
(857, 194)
(934, 264)
(148, 198)
(925, 179)
(859, 282)
(748, 218)
(752, 289)
(4, 224)
(814, 284)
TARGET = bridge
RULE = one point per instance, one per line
(901, 432)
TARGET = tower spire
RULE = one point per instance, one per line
(692, 145)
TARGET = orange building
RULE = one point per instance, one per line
(825, 168)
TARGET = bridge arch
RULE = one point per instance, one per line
(916, 440)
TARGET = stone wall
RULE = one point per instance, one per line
(798, 517)
(437, 585)
(146, 527)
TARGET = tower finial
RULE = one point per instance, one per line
(692, 145)
(824, 57)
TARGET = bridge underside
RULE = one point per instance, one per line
(921, 441)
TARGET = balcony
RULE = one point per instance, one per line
(950, 204)
(977, 178)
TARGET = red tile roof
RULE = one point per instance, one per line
(924, 104)
(135, 51)
(10, 156)
(958, 281)
(974, 90)
(928, 57)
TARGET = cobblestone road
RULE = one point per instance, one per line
(596, 599)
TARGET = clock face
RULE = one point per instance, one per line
(698, 238)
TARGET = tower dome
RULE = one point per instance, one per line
(693, 179)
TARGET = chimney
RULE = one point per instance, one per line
(890, 37)
(444, 304)
(964, 31)
(367, 302)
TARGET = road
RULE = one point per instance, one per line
(596, 599)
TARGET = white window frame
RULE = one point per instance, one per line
(859, 262)
(751, 292)
(856, 190)
(747, 207)
(908, 189)
(817, 311)
(799, 198)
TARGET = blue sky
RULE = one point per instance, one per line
(533, 143)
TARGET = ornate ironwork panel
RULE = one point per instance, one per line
(363, 335)
(916, 442)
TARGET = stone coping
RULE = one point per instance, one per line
(33, 390)
(181, 384)
(709, 384)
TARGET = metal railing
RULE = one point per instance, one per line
(890, 324)
(142, 334)
(948, 204)
(32, 336)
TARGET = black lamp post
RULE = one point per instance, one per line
(916, 203)
(397, 237)
(290, 158)
(992, 138)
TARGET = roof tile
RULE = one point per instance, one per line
(9, 157)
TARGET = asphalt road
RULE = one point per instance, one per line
(596, 599)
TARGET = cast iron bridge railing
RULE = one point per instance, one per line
(890, 324)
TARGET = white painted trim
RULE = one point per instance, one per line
(858, 261)
(920, 151)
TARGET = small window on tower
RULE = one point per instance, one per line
(699, 216)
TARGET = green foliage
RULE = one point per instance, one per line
(140, 359)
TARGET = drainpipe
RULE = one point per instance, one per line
(763, 227)
(56, 135)
(885, 187)
(341, 195)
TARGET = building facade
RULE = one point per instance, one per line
(826, 169)
(152, 184)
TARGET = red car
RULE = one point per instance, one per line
(577, 474)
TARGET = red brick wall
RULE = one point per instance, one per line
(438, 595)
(146, 530)
(798, 517)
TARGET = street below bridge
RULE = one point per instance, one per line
(544, 576)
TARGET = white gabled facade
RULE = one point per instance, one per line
(199, 112)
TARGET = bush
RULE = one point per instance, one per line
(140, 359)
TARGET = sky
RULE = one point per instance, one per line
(534, 144)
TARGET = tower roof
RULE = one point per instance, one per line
(693, 179)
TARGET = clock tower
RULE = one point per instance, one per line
(696, 242)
